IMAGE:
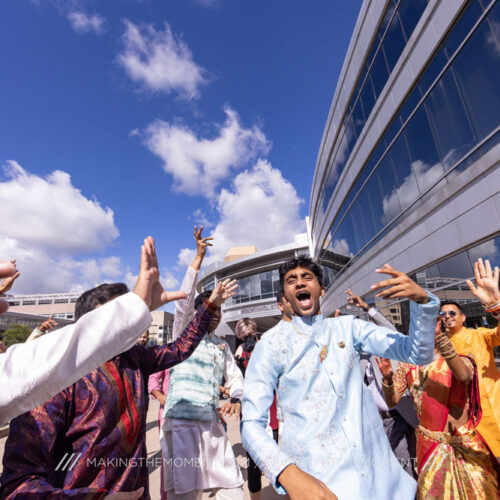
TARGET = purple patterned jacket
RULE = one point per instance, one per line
(90, 439)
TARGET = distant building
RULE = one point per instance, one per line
(160, 331)
(258, 279)
(10, 318)
(61, 305)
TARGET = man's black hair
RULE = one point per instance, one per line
(452, 303)
(99, 295)
(201, 298)
(300, 261)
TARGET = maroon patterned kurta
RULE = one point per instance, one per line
(90, 439)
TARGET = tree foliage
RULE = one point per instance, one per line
(16, 334)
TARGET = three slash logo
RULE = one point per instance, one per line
(63, 464)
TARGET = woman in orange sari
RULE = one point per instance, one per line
(453, 460)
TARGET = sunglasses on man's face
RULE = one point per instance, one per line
(443, 314)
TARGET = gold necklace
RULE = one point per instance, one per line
(324, 348)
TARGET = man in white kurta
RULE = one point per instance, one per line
(33, 372)
(197, 453)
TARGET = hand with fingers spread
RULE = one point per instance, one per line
(9, 273)
(486, 289)
(48, 325)
(385, 368)
(201, 243)
(400, 285)
(230, 409)
(148, 285)
(223, 291)
(356, 300)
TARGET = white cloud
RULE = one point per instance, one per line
(51, 213)
(198, 165)
(341, 247)
(408, 191)
(185, 257)
(160, 61)
(261, 209)
(168, 280)
(86, 23)
(45, 222)
(200, 219)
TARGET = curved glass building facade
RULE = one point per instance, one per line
(407, 171)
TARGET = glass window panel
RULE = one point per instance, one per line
(457, 267)
(423, 152)
(449, 121)
(410, 104)
(343, 242)
(254, 285)
(379, 73)
(374, 192)
(366, 218)
(358, 225)
(432, 71)
(410, 11)
(394, 42)
(266, 284)
(462, 27)
(368, 97)
(358, 119)
(477, 70)
(389, 183)
(392, 130)
(488, 250)
(405, 191)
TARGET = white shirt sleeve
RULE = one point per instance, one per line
(233, 376)
(184, 308)
(33, 372)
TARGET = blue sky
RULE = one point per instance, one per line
(124, 118)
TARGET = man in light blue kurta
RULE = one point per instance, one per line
(331, 431)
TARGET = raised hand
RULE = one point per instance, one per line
(148, 285)
(9, 272)
(385, 367)
(201, 243)
(399, 286)
(223, 291)
(486, 289)
(355, 300)
(48, 325)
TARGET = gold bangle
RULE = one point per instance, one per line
(386, 387)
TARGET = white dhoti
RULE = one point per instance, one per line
(198, 456)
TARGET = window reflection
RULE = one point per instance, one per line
(440, 132)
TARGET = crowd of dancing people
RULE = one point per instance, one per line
(330, 408)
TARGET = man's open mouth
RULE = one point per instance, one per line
(304, 299)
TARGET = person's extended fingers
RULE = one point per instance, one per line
(487, 266)
(384, 283)
(471, 286)
(496, 274)
(391, 291)
(387, 269)
(480, 265)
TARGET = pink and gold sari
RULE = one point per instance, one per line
(451, 466)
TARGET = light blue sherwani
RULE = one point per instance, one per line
(331, 426)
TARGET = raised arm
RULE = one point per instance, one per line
(376, 316)
(487, 292)
(33, 372)
(415, 348)
(184, 308)
(160, 358)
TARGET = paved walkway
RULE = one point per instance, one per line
(153, 446)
